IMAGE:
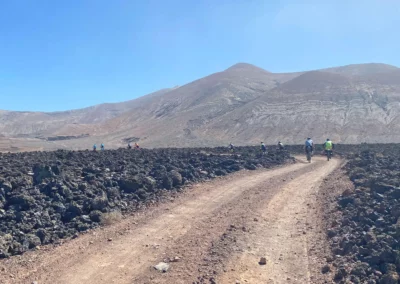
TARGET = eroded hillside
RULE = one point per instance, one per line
(243, 104)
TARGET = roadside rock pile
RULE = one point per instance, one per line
(48, 196)
(366, 238)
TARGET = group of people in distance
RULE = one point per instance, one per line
(136, 146)
(263, 147)
(101, 147)
(309, 147)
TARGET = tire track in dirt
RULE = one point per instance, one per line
(206, 247)
(281, 237)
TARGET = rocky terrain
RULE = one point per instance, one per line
(364, 234)
(48, 196)
(243, 104)
(350, 226)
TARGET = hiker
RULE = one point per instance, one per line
(263, 148)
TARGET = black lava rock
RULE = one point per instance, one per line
(47, 196)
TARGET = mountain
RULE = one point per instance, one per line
(321, 105)
(243, 104)
(362, 69)
(41, 123)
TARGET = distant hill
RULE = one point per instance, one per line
(362, 69)
(243, 104)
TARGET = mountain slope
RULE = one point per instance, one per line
(318, 103)
(176, 116)
(321, 105)
(243, 104)
(32, 124)
(362, 69)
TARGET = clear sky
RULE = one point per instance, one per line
(66, 54)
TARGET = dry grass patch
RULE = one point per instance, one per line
(110, 218)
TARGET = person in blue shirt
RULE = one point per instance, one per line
(263, 148)
(309, 148)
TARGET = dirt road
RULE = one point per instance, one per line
(215, 232)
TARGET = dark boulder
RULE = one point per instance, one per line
(41, 172)
(390, 278)
(381, 187)
(250, 167)
(130, 185)
(30, 241)
(176, 178)
(95, 216)
(6, 185)
(167, 182)
(22, 201)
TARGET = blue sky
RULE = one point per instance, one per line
(59, 55)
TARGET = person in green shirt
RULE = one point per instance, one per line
(328, 147)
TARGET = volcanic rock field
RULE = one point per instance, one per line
(48, 196)
(365, 235)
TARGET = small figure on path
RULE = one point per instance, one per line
(281, 146)
(263, 148)
(309, 149)
(328, 147)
